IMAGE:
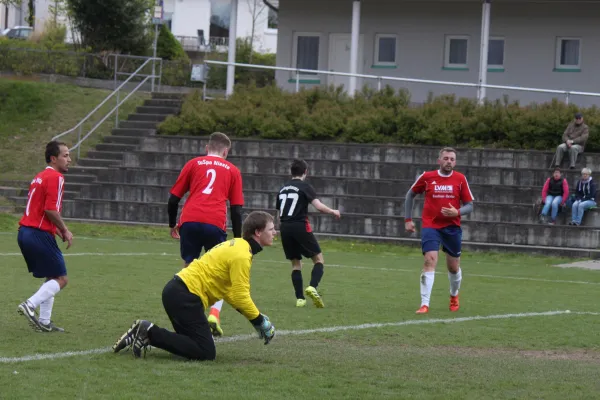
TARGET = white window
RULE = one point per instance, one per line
(306, 52)
(385, 50)
(496, 52)
(568, 53)
(456, 51)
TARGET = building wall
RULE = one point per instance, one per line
(530, 30)
(189, 16)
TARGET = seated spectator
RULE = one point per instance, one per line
(585, 196)
(574, 139)
(554, 193)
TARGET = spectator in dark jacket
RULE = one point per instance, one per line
(585, 196)
(554, 193)
(574, 139)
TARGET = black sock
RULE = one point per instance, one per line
(297, 282)
(316, 275)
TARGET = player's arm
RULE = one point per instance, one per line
(180, 188)
(239, 294)
(415, 189)
(324, 209)
(311, 196)
(54, 190)
(236, 202)
(466, 198)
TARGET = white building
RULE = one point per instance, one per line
(194, 20)
(187, 19)
(550, 44)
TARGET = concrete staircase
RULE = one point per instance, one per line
(127, 178)
(109, 154)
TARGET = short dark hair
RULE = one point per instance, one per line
(218, 142)
(298, 167)
(256, 220)
(447, 150)
(556, 169)
(53, 150)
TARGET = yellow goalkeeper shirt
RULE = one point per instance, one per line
(224, 273)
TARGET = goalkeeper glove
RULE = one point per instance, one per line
(266, 330)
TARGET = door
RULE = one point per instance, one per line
(339, 59)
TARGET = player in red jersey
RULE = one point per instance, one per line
(445, 190)
(210, 181)
(40, 222)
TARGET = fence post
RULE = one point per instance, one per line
(117, 111)
(116, 63)
(379, 84)
(160, 75)
(297, 81)
(78, 140)
(84, 64)
(567, 98)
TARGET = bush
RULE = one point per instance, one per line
(168, 47)
(327, 113)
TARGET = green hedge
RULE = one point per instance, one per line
(379, 117)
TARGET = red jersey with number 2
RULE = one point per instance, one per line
(441, 191)
(45, 193)
(211, 181)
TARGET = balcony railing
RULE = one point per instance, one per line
(196, 43)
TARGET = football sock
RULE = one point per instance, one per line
(297, 282)
(455, 282)
(46, 310)
(316, 275)
(216, 308)
(427, 279)
(47, 290)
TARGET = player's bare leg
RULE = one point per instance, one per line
(297, 282)
(455, 277)
(427, 278)
(315, 279)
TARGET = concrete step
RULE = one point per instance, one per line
(77, 174)
(175, 103)
(139, 124)
(21, 199)
(129, 140)
(171, 96)
(96, 162)
(354, 169)
(133, 132)
(8, 191)
(504, 233)
(115, 148)
(498, 158)
(147, 117)
(157, 110)
(116, 155)
(355, 204)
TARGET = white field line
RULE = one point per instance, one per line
(465, 274)
(520, 278)
(239, 338)
(97, 254)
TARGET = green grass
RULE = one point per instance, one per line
(550, 357)
(32, 113)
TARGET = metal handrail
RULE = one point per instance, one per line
(111, 95)
(567, 93)
(76, 146)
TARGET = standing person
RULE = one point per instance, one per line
(211, 181)
(40, 222)
(297, 237)
(222, 273)
(445, 190)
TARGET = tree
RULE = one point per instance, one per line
(168, 47)
(31, 13)
(256, 8)
(113, 25)
(57, 9)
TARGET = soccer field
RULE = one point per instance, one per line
(525, 329)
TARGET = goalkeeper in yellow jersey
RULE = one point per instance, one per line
(221, 273)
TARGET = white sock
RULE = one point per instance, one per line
(217, 306)
(427, 279)
(455, 282)
(47, 290)
(46, 311)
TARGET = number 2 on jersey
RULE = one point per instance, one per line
(283, 197)
(213, 175)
